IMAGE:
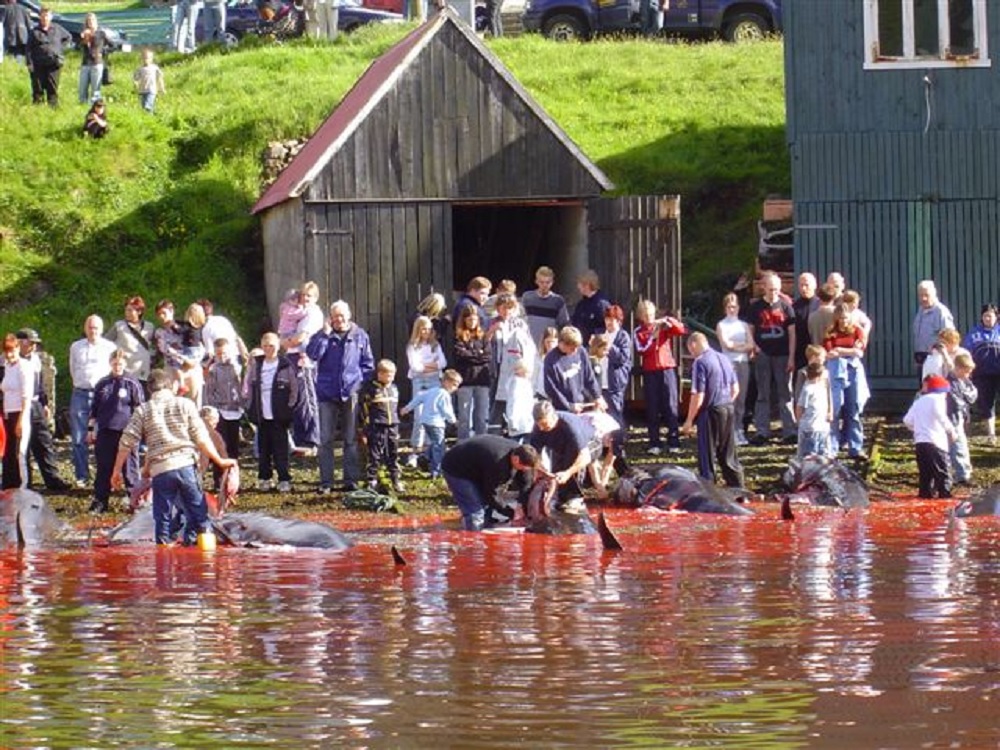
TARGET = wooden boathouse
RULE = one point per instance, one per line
(894, 131)
(438, 166)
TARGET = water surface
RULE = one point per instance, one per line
(877, 629)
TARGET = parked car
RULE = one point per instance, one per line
(74, 25)
(398, 6)
(735, 20)
(244, 17)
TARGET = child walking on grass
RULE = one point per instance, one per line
(434, 413)
(148, 80)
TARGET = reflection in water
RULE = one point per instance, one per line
(858, 628)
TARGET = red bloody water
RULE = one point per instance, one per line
(866, 629)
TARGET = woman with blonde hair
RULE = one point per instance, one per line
(426, 361)
(434, 307)
(736, 343)
(654, 342)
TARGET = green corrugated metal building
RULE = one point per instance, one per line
(894, 133)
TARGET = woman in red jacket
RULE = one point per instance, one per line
(654, 342)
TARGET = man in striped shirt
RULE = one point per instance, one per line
(174, 433)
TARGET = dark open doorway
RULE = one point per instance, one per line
(509, 241)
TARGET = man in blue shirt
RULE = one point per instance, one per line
(570, 381)
(343, 356)
(566, 437)
(714, 388)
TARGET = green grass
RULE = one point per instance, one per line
(161, 206)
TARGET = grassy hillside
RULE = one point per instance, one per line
(160, 207)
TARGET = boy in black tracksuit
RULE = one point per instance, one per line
(379, 419)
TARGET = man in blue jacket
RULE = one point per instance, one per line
(343, 356)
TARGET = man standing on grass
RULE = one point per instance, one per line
(543, 308)
(772, 325)
(47, 44)
(40, 445)
(89, 361)
(714, 389)
(344, 361)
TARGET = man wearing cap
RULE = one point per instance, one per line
(89, 361)
(40, 445)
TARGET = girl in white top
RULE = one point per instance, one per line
(520, 402)
(426, 361)
(736, 343)
(18, 387)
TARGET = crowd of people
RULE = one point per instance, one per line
(505, 372)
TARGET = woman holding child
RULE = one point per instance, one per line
(301, 317)
(845, 345)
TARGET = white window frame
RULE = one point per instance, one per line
(910, 59)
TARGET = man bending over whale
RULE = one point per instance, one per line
(173, 432)
(476, 468)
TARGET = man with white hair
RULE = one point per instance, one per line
(343, 355)
(772, 325)
(804, 305)
(89, 361)
(932, 317)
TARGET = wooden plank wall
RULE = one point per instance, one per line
(452, 128)
(960, 164)
(884, 249)
(635, 247)
(382, 259)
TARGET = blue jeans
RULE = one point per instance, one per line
(435, 447)
(338, 417)
(215, 21)
(79, 414)
(421, 384)
(180, 489)
(473, 410)
(90, 82)
(961, 462)
(148, 100)
(810, 443)
(469, 500)
(847, 428)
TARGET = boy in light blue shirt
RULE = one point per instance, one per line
(436, 414)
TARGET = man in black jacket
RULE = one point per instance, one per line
(477, 468)
(46, 45)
